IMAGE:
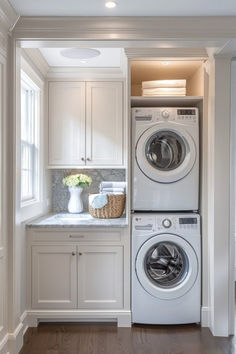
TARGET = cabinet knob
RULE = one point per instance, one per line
(73, 253)
(82, 159)
(88, 159)
(80, 254)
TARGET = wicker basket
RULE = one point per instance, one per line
(113, 209)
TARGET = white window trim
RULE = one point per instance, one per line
(29, 84)
(34, 207)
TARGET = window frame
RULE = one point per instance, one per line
(34, 106)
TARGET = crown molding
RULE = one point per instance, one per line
(126, 28)
(151, 53)
(8, 16)
(84, 73)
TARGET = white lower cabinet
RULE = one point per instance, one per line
(77, 277)
(54, 270)
(100, 277)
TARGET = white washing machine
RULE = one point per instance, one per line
(165, 154)
(166, 268)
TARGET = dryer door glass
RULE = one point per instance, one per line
(165, 150)
(166, 264)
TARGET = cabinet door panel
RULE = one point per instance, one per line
(54, 277)
(66, 123)
(100, 277)
(104, 123)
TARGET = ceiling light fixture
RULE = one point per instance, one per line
(110, 4)
(80, 53)
(83, 61)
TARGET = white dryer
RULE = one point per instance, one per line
(166, 268)
(165, 154)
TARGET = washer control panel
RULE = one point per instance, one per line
(166, 223)
(165, 114)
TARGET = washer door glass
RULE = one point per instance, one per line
(166, 264)
(165, 150)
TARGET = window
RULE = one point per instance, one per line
(30, 95)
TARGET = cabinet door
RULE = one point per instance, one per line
(100, 277)
(54, 277)
(104, 123)
(66, 123)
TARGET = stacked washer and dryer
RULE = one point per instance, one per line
(166, 240)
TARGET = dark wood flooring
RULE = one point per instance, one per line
(71, 338)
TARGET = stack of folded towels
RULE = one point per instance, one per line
(112, 187)
(98, 201)
(164, 88)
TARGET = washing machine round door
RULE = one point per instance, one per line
(167, 266)
(165, 153)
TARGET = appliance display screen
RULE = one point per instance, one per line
(187, 112)
(185, 221)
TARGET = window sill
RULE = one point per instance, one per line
(30, 209)
(28, 203)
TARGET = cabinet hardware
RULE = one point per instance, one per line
(80, 254)
(88, 159)
(73, 254)
(76, 236)
(82, 159)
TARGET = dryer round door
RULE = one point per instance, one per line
(167, 266)
(165, 153)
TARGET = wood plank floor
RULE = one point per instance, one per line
(71, 338)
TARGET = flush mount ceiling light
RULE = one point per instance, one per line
(110, 4)
(80, 53)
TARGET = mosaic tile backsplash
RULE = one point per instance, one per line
(60, 193)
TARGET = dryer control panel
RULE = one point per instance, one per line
(145, 224)
(164, 114)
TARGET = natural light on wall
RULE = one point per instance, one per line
(30, 96)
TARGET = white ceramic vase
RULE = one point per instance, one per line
(75, 204)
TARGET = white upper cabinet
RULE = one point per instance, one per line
(104, 123)
(86, 124)
(66, 123)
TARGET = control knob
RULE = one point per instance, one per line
(166, 223)
(165, 114)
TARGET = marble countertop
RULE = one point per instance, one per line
(75, 220)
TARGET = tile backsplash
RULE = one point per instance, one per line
(60, 193)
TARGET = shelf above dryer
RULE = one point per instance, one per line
(170, 101)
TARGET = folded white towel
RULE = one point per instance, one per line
(111, 192)
(163, 83)
(108, 190)
(110, 184)
(164, 91)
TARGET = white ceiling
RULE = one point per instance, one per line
(110, 57)
(125, 8)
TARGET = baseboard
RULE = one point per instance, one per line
(13, 342)
(122, 317)
(205, 316)
(4, 345)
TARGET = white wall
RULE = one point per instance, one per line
(3, 195)
(233, 153)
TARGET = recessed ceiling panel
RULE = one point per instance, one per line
(125, 8)
(109, 57)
